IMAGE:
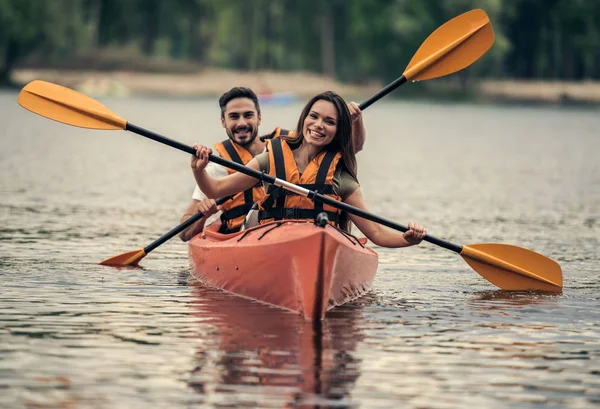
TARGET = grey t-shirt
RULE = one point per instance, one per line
(343, 184)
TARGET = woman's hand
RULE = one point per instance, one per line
(414, 234)
(200, 160)
(208, 207)
(355, 112)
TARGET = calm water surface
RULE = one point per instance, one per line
(431, 334)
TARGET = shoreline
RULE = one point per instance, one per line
(212, 83)
(206, 83)
(552, 92)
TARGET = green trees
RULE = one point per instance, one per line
(553, 39)
(55, 29)
(353, 40)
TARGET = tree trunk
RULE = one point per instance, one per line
(5, 75)
(254, 51)
(151, 22)
(327, 40)
(269, 37)
(199, 16)
(568, 63)
(95, 21)
(7, 62)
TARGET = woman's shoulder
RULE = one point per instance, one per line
(263, 161)
(345, 182)
(342, 172)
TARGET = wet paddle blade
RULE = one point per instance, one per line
(452, 47)
(131, 258)
(67, 106)
(514, 268)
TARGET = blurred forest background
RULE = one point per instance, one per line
(350, 41)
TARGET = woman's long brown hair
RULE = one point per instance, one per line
(342, 141)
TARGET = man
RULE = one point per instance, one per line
(240, 116)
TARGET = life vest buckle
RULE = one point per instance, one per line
(322, 219)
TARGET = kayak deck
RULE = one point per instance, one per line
(293, 265)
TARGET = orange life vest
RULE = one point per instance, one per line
(235, 210)
(278, 132)
(281, 204)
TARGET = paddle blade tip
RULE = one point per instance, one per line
(131, 258)
(62, 104)
(514, 268)
(452, 47)
(25, 95)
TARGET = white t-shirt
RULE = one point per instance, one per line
(215, 171)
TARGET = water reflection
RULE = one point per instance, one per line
(501, 298)
(519, 332)
(269, 357)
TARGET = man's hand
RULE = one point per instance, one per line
(208, 207)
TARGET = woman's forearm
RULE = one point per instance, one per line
(375, 232)
(207, 184)
(229, 185)
(359, 134)
(385, 237)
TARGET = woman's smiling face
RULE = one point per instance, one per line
(320, 126)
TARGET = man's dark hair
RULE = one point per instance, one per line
(238, 92)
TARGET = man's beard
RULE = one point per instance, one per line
(253, 135)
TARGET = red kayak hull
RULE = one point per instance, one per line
(293, 265)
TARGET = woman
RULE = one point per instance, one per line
(320, 158)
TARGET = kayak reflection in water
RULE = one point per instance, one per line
(241, 118)
(250, 354)
(321, 156)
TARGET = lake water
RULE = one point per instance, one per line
(431, 334)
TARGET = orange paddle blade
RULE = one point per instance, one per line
(513, 268)
(452, 47)
(67, 106)
(131, 258)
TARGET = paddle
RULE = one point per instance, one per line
(509, 267)
(453, 46)
(132, 258)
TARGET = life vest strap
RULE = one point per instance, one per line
(281, 213)
(277, 152)
(235, 157)
(277, 133)
(236, 212)
(322, 176)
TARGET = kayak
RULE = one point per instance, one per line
(277, 98)
(295, 265)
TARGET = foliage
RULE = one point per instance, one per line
(353, 40)
(56, 28)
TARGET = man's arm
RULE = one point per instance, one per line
(195, 228)
(207, 207)
(197, 197)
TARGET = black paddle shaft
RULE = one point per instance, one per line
(313, 195)
(389, 88)
(177, 229)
